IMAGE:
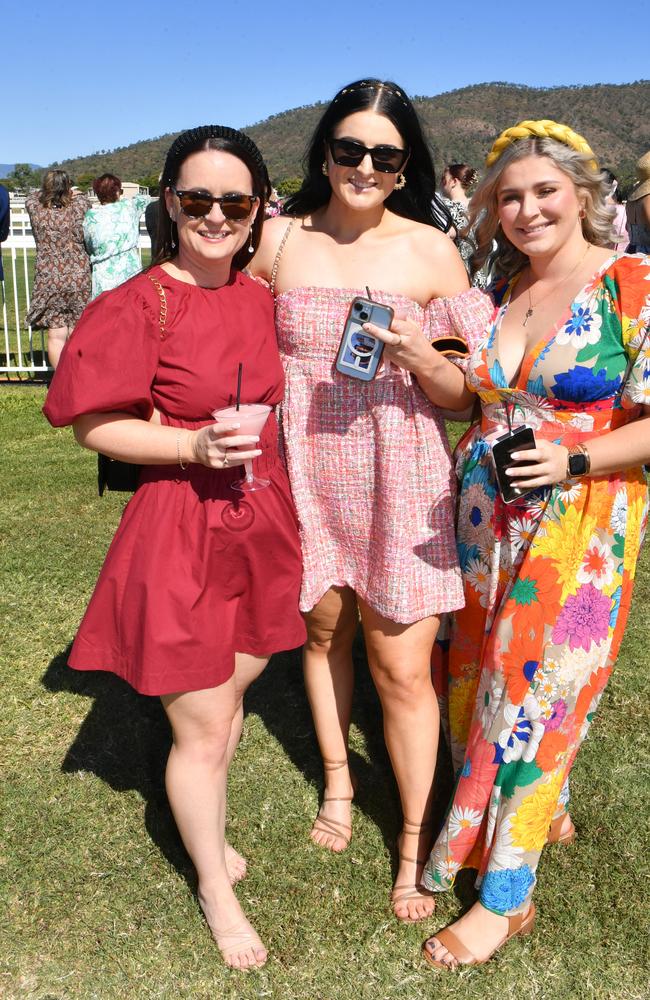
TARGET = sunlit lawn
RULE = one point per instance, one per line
(98, 893)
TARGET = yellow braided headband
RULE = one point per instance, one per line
(542, 129)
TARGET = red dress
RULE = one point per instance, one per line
(195, 572)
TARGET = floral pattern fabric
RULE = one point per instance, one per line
(548, 583)
(62, 275)
(111, 234)
(464, 243)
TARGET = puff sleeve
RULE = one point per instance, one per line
(109, 363)
(465, 315)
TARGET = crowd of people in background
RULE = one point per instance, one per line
(65, 222)
(528, 557)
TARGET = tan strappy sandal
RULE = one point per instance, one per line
(555, 836)
(323, 824)
(405, 891)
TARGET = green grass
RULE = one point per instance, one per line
(16, 290)
(97, 889)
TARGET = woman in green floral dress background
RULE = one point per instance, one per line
(111, 232)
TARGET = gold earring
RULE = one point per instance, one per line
(324, 168)
(400, 182)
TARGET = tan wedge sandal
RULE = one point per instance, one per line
(333, 827)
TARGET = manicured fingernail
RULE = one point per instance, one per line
(233, 427)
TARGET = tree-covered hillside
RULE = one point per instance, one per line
(459, 124)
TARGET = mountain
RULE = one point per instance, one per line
(460, 125)
(6, 168)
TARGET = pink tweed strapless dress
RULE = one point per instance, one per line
(369, 463)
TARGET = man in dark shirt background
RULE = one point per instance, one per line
(4, 222)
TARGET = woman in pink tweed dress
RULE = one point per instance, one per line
(369, 464)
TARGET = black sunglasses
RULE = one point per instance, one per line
(350, 153)
(197, 204)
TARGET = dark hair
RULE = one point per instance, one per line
(229, 140)
(108, 188)
(56, 189)
(418, 199)
(615, 190)
(463, 173)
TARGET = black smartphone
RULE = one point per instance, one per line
(359, 354)
(520, 439)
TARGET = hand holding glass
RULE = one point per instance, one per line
(251, 417)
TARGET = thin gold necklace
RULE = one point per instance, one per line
(558, 284)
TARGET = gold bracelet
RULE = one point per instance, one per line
(178, 451)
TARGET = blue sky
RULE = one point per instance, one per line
(76, 81)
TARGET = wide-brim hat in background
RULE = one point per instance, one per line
(643, 174)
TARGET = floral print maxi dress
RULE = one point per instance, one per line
(548, 583)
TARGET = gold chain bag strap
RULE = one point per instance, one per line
(113, 474)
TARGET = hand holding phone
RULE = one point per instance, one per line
(360, 353)
(519, 439)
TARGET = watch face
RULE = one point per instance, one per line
(577, 464)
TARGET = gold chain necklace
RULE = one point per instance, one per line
(558, 284)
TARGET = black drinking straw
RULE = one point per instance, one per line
(239, 375)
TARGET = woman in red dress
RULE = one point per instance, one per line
(198, 587)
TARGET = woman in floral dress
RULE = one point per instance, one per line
(548, 579)
(62, 277)
(111, 231)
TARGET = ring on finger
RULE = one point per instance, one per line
(225, 460)
(398, 342)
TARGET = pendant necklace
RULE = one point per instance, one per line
(531, 307)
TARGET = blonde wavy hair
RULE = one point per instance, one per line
(571, 154)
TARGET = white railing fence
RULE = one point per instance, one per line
(23, 353)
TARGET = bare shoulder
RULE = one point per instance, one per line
(273, 231)
(439, 259)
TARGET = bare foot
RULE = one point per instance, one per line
(410, 899)
(332, 827)
(235, 936)
(235, 864)
(479, 932)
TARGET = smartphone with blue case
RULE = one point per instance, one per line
(360, 354)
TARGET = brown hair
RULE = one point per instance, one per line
(108, 188)
(463, 173)
(56, 189)
(204, 137)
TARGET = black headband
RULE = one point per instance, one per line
(192, 140)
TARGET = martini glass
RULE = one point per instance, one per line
(251, 417)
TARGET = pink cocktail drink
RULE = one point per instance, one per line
(251, 418)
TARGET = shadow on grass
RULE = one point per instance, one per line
(125, 740)
(278, 698)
